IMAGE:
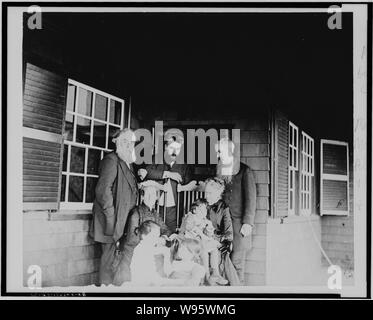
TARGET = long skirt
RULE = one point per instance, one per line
(228, 270)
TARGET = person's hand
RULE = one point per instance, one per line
(172, 236)
(226, 246)
(173, 175)
(246, 229)
(142, 173)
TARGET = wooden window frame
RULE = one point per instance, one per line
(334, 177)
(293, 165)
(306, 172)
(66, 205)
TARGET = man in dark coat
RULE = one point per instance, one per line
(240, 196)
(115, 195)
(170, 173)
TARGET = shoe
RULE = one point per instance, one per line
(211, 281)
(219, 280)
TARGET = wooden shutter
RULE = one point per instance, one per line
(44, 100)
(334, 182)
(281, 165)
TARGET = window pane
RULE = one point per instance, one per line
(291, 200)
(99, 134)
(334, 159)
(83, 130)
(291, 179)
(85, 102)
(69, 127)
(90, 189)
(115, 112)
(76, 189)
(291, 156)
(112, 130)
(64, 162)
(70, 101)
(94, 157)
(100, 107)
(77, 159)
(63, 188)
(295, 158)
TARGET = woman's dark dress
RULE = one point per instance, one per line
(220, 216)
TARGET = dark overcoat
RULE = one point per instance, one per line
(115, 196)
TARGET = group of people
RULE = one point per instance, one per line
(142, 247)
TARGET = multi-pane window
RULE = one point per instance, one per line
(293, 164)
(334, 178)
(307, 172)
(92, 117)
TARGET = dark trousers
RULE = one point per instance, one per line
(123, 271)
(241, 246)
(106, 272)
(171, 218)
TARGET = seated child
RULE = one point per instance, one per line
(195, 225)
(143, 264)
(184, 265)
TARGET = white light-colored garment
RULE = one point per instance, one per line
(170, 201)
(143, 265)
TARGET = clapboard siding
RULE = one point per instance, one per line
(337, 232)
(255, 152)
(63, 249)
(44, 100)
(281, 165)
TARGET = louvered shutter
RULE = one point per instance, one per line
(281, 165)
(44, 100)
(334, 195)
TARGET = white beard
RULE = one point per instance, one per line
(125, 156)
(226, 172)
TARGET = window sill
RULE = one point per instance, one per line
(70, 215)
(295, 219)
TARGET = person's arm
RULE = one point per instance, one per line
(132, 238)
(154, 172)
(104, 192)
(187, 175)
(227, 233)
(164, 229)
(249, 188)
(157, 172)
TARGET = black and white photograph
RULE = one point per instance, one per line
(186, 149)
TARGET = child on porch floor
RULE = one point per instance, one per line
(143, 264)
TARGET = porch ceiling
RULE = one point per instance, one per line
(216, 61)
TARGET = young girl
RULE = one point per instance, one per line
(195, 225)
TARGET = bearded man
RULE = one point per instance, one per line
(115, 196)
(240, 196)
